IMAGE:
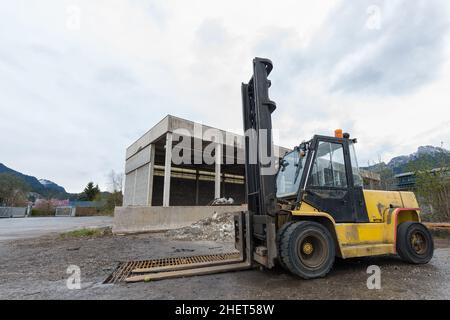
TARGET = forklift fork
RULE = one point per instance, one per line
(203, 265)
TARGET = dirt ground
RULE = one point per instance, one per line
(36, 269)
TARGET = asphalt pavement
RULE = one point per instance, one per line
(23, 228)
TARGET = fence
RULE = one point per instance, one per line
(65, 212)
(13, 212)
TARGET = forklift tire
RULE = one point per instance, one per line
(280, 234)
(414, 243)
(307, 249)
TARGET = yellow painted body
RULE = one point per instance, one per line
(386, 209)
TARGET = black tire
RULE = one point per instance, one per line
(414, 243)
(280, 234)
(307, 249)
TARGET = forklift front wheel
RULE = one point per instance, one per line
(280, 235)
(307, 249)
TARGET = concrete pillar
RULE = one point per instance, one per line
(218, 162)
(151, 170)
(224, 190)
(167, 170)
(197, 186)
(134, 187)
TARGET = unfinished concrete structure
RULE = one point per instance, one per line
(153, 179)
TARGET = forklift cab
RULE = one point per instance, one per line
(323, 172)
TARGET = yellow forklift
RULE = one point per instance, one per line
(315, 208)
(312, 209)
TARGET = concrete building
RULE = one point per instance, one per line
(161, 192)
(153, 178)
(372, 180)
(405, 181)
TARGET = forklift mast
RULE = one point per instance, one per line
(260, 177)
(257, 110)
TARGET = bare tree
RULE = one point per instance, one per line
(115, 198)
(115, 181)
(13, 190)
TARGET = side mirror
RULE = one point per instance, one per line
(283, 164)
(301, 152)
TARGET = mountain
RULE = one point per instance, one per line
(50, 185)
(43, 187)
(428, 157)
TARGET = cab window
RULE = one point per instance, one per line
(357, 179)
(329, 166)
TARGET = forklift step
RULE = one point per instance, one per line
(364, 250)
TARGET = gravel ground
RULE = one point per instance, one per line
(36, 269)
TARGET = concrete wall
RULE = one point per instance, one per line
(65, 212)
(145, 219)
(137, 175)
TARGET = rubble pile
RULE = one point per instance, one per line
(219, 227)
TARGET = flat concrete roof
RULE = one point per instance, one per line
(170, 123)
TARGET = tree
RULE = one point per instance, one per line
(115, 181)
(432, 184)
(115, 198)
(90, 192)
(387, 178)
(13, 190)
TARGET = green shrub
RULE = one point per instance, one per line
(42, 213)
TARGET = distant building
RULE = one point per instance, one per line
(407, 181)
(86, 204)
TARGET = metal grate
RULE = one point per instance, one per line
(125, 269)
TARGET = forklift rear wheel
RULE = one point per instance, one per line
(280, 234)
(307, 249)
(414, 243)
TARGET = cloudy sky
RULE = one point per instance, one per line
(81, 80)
